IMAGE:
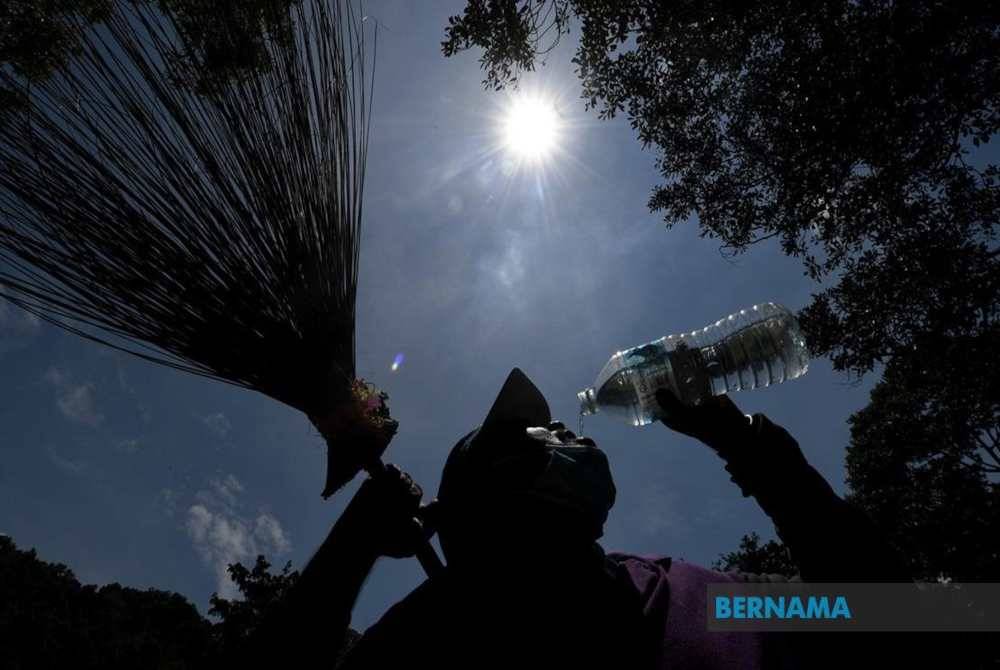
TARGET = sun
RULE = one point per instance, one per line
(531, 128)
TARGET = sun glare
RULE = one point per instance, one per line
(531, 128)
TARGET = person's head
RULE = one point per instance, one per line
(521, 483)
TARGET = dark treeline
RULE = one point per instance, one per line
(48, 619)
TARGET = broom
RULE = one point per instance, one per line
(187, 185)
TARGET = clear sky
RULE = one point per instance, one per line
(471, 265)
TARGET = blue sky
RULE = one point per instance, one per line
(471, 265)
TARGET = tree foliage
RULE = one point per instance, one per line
(49, 620)
(925, 463)
(224, 39)
(769, 558)
(261, 591)
(37, 36)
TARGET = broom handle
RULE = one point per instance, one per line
(429, 560)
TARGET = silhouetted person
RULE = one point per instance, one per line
(521, 505)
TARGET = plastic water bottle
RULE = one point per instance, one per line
(756, 347)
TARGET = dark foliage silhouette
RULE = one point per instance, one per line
(925, 463)
(260, 589)
(49, 620)
(768, 558)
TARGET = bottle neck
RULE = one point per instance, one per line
(588, 401)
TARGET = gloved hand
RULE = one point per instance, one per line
(759, 455)
(385, 517)
(717, 421)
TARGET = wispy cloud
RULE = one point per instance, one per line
(222, 534)
(269, 532)
(218, 424)
(659, 516)
(67, 465)
(221, 492)
(75, 401)
(168, 498)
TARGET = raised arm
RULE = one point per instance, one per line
(311, 624)
(829, 539)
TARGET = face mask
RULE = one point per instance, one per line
(577, 479)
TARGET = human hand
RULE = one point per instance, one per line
(556, 434)
(717, 421)
(386, 517)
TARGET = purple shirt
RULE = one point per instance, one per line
(680, 590)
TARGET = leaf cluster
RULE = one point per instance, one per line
(261, 591)
(511, 34)
(769, 558)
(222, 40)
(226, 40)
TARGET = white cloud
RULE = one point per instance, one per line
(222, 534)
(218, 424)
(222, 492)
(75, 401)
(270, 533)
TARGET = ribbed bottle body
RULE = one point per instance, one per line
(753, 348)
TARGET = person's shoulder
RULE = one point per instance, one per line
(645, 568)
(641, 562)
(649, 574)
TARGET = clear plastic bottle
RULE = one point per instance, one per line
(753, 348)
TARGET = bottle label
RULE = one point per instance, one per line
(650, 369)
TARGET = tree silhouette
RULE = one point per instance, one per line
(226, 39)
(925, 462)
(261, 590)
(49, 620)
(770, 558)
